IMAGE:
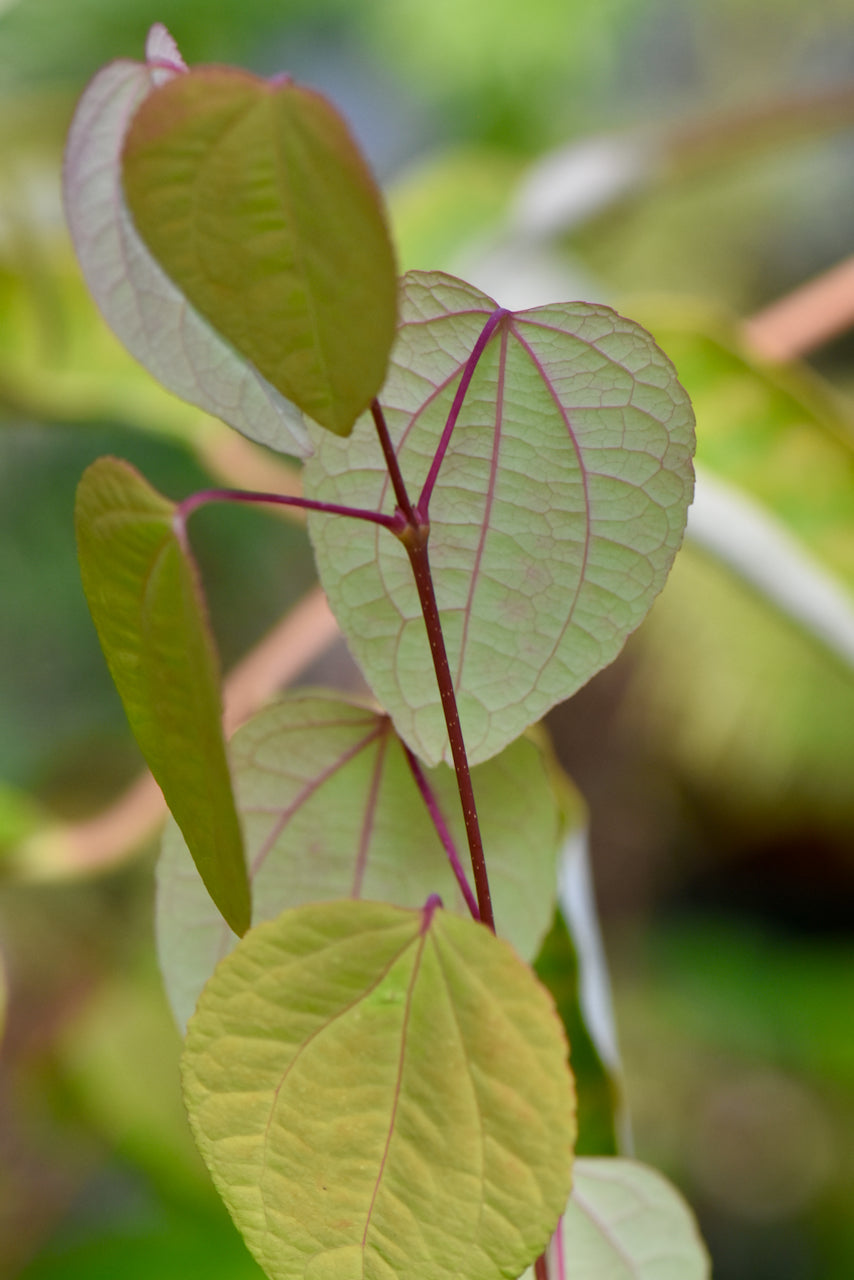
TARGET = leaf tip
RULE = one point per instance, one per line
(239, 916)
(429, 910)
(161, 51)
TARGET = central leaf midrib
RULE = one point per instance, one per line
(422, 940)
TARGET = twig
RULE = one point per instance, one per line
(805, 319)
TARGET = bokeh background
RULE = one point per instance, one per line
(690, 163)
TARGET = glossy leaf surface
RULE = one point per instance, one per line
(256, 201)
(142, 306)
(329, 809)
(624, 1221)
(558, 509)
(381, 1091)
(144, 596)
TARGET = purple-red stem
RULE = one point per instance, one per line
(415, 542)
(414, 536)
(468, 373)
(392, 465)
(186, 508)
(541, 1268)
(441, 826)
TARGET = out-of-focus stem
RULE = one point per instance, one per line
(117, 832)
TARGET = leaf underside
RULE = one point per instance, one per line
(256, 201)
(142, 306)
(329, 809)
(381, 1091)
(144, 596)
(559, 508)
(624, 1221)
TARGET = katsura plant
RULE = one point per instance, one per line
(356, 896)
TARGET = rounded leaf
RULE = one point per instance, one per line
(559, 507)
(329, 809)
(380, 1091)
(139, 302)
(257, 202)
(624, 1221)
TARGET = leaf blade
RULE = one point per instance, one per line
(559, 507)
(256, 201)
(392, 1009)
(330, 809)
(137, 299)
(146, 603)
(626, 1222)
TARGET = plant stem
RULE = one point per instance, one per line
(541, 1268)
(392, 465)
(414, 539)
(414, 535)
(438, 820)
(186, 508)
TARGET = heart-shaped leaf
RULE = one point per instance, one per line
(257, 202)
(143, 592)
(380, 1091)
(624, 1221)
(559, 507)
(330, 809)
(138, 300)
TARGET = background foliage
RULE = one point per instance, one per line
(715, 755)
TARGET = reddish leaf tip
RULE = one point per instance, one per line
(429, 910)
(161, 51)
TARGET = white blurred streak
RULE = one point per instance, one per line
(750, 540)
(569, 186)
(577, 902)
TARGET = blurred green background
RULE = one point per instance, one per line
(688, 162)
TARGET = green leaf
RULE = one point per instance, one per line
(378, 1092)
(768, 729)
(624, 1221)
(330, 810)
(144, 596)
(558, 510)
(557, 968)
(778, 435)
(87, 376)
(256, 201)
(137, 299)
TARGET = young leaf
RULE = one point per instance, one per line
(380, 1091)
(139, 302)
(257, 202)
(557, 513)
(145, 600)
(329, 809)
(624, 1221)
